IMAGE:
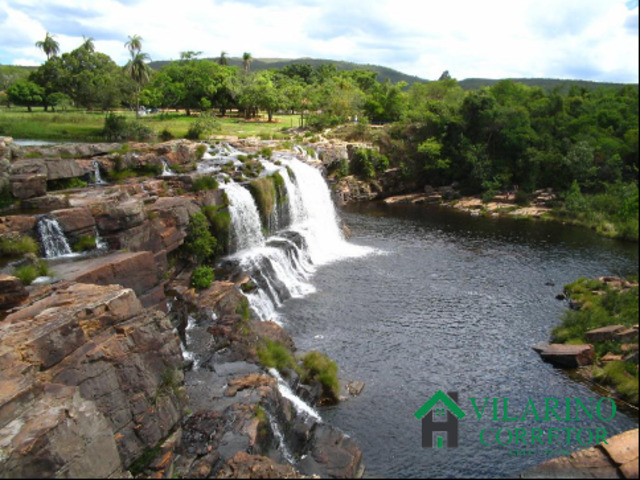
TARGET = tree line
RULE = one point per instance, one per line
(504, 136)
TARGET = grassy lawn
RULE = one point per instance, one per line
(81, 126)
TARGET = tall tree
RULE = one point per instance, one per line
(87, 44)
(246, 61)
(140, 73)
(223, 58)
(49, 46)
(134, 45)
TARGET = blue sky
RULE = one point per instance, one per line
(575, 39)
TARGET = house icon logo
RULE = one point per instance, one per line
(440, 421)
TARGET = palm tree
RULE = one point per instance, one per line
(139, 72)
(49, 46)
(223, 58)
(246, 61)
(87, 44)
(134, 44)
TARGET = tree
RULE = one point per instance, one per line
(137, 67)
(223, 58)
(246, 61)
(25, 93)
(49, 46)
(88, 44)
(134, 45)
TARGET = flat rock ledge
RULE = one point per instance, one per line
(616, 459)
(566, 356)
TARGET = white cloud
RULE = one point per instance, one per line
(588, 39)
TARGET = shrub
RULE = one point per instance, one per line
(201, 150)
(220, 220)
(84, 243)
(200, 244)
(266, 152)
(362, 164)
(317, 366)
(65, 183)
(202, 277)
(18, 246)
(28, 273)
(117, 127)
(205, 183)
(276, 355)
(166, 135)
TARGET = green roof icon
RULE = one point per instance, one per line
(440, 396)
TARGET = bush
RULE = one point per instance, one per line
(166, 135)
(361, 165)
(84, 243)
(220, 220)
(117, 128)
(65, 183)
(202, 277)
(205, 124)
(318, 366)
(200, 244)
(18, 246)
(205, 183)
(276, 355)
(28, 273)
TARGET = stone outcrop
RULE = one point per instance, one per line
(568, 356)
(90, 381)
(12, 291)
(618, 458)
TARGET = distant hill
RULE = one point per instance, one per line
(545, 83)
(258, 64)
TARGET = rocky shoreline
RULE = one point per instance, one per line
(96, 379)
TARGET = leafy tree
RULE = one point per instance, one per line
(246, 61)
(223, 60)
(26, 93)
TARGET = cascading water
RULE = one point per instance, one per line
(54, 243)
(282, 264)
(166, 171)
(97, 177)
(298, 404)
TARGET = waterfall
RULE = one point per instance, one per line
(277, 433)
(166, 171)
(246, 229)
(97, 178)
(52, 238)
(100, 243)
(298, 404)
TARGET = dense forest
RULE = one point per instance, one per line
(582, 142)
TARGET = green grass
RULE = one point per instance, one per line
(276, 355)
(28, 273)
(17, 122)
(622, 376)
(317, 366)
(84, 243)
(18, 246)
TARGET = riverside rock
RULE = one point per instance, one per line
(568, 356)
(12, 291)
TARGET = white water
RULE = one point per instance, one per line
(166, 171)
(298, 404)
(97, 177)
(280, 266)
(246, 229)
(54, 242)
(277, 433)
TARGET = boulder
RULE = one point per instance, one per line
(28, 185)
(114, 217)
(626, 335)
(568, 356)
(244, 465)
(17, 224)
(12, 291)
(58, 168)
(26, 166)
(47, 202)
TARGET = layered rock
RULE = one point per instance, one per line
(90, 381)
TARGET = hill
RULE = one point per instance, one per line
(258, 64)
(545, 83)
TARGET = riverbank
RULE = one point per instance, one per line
(157, 378)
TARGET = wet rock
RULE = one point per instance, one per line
(75, 222)
(332, 454)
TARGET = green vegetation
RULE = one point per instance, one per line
(28, 273)
(220, 220)
(17, 246)
(202, 277)
(205, 183)
(143, 461)
(200, 244)
(65, 183)
(119, 128)
(367, 163)
(268, 192)
(84, 243)
(317, 366)
(276, 355)
(601, 305)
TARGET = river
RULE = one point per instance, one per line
(452, 303)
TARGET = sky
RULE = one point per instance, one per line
(568, 39)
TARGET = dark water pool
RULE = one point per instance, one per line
(454, 304)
